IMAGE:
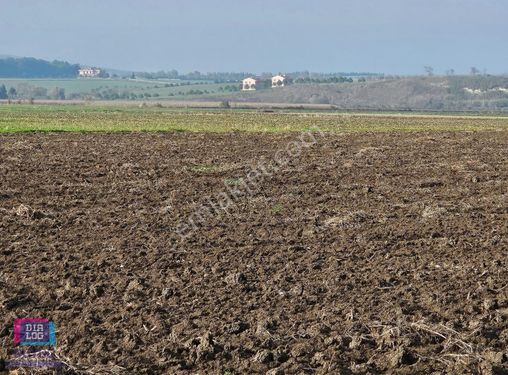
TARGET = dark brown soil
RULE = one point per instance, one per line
(371, 253)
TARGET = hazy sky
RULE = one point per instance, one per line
(390, 36)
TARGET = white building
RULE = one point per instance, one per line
(249, 83)
(278, 80)
(89, 72)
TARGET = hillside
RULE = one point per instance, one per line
(29, 67)
(412, 93)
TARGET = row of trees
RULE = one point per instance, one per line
(26, 91)
(228, 77)
(114, 95)
(323, 80)
(474, 71)
(216, 77)
(29, 91)
(323, 76)
(4, 94)
(230, 88)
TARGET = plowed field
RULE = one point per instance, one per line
(364, 253)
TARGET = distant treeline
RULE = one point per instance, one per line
(326, 76)
(326, 80)
(26, 91)
(28, 67)
(216, 77)
(223, 77)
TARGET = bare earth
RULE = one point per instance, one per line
(367, 253)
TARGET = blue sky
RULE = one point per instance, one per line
(390, 36)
